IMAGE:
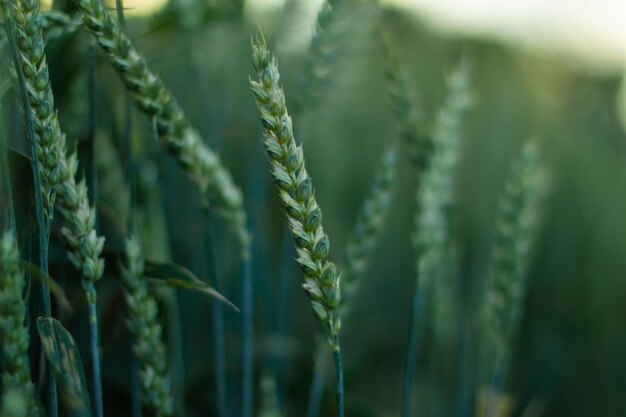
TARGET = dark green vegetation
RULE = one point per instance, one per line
(470, 261)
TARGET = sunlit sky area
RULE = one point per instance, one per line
(592, 32)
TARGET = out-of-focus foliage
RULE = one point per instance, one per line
(568, 359)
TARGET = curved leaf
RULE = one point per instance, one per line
(64, 360)
(55, 289)
(173, 275)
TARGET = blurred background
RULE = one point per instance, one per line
(551, 70)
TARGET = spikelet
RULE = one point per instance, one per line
(147, 332)
(517, 217)
(213, 181)
(14, 336)
(296, 192)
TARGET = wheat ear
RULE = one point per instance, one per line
(369, 225)
(32, 61)
(517, 217)
(15, 403)
(322, 54)
(14, 336)
(296, 191)
(56, 24)
(269, 399)
(295, 188)
(148, 92)
(147, 332)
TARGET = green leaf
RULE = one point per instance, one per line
(172, 275)
(64, 360)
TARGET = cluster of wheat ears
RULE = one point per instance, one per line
(433, 150)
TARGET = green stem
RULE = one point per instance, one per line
(95, 359)
(339, 373)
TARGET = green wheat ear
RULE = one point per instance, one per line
(203, 166)
(296, 192)
(32, 60)
(14, 336)
(369, 225)
(323, 52)
(406, 107)
(15, 402)
(516, 228)
(142, 321)
(436, 192)
(269, 399)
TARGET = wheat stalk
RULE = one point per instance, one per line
(147, 332)
(148, 92)
(14, 336)
(295, 188)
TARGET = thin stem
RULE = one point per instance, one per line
(248, 336)
(6, 176)
(95, 360)
(135, 389)
(218, 325)
(492, 395)
(412, 353)
(318, 382)
(339, 372)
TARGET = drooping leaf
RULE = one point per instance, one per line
(176, 276)
(64, 360)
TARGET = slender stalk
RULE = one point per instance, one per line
(247, 398)
(217, 308)
(6, 175)
(412, 353)
(92, 193)
(339, 373)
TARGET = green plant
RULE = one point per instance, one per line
(516, 227)
(214, 182)
(295, 187)
(14, 336)
(147, 332)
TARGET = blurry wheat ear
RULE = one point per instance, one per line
(435, 166)
(319, 64)
(203, 166)
(517, 218)
(269, 399)
(147, 332)
(14, 336)
(369, 226)
(15, 403)
(295, 188)
(406, 107)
